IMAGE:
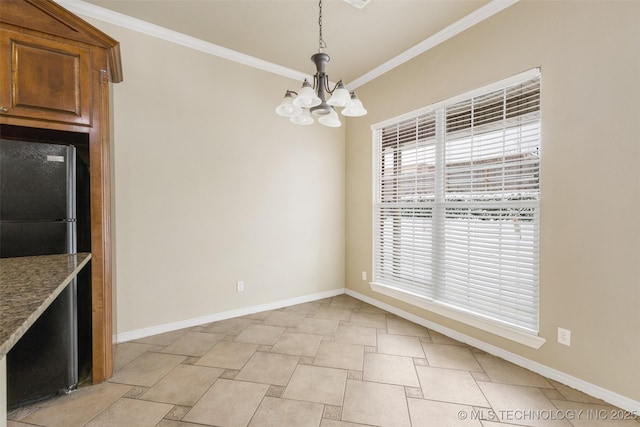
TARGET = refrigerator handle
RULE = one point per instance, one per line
(72, 247)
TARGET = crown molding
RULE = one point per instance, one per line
(100, 13)
(92, 11)
(452, 30)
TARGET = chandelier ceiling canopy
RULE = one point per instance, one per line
(301, 107)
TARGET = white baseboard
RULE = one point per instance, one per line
(174, 326)
(608, 396)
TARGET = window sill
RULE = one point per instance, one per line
(496, 328)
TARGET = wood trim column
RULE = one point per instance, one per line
(99, 154)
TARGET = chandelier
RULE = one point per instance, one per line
(301, 107)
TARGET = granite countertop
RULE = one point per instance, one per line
(28, 285)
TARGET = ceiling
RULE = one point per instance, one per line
(285, 32)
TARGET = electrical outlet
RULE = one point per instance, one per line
(364, 275)
(239, 286)
(564, 336)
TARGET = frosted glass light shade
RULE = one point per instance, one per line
(304, 118)
(307, 97)
(332, 120)
(286, 107)
(340, 96)
(354, 108)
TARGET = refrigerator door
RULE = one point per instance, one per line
(37, 217)
(33, 181)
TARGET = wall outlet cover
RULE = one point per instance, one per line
(564, 336)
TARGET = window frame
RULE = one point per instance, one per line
(501, 328)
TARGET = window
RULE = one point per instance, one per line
(457, 201)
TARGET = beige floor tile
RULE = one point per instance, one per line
(549, 393)
(317, 384)
(338, 355)
(501, 371)
(193, 344)
(385, 368)
(131, 412)
(260, 334)
(400, 345)
(336, 313)
(404, 327)
(297, 344)
(184, 385)
(163, 339)
(312, 325)
(129, 351)
(440, 414)
(345, 301)
(356, 335)
(368, 308)
(486, 423)
(332, 412)
(79, 407)
(261, 315)
(333, 423)
(274, 412)
(269, 368)
(378, 321)
(147, 369)
(177, 412)
(289, 319)
(450, 385)
(376, 404)
(228, 403)
(590, 415)
(307, 308)
(519, 404)
(451, 357)
(228, 355)
(480, 376)
(438, 338)
(575, 395)
(233, 326)
(173, 423)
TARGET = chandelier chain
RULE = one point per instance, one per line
(321, 43)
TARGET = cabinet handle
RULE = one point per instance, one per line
(3, 109)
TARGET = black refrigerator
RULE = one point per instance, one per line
(38, 217)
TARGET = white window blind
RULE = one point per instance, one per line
(456, 212)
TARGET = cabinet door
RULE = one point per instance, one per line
(45, 79)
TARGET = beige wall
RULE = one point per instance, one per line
(212, 187)
(589, 53)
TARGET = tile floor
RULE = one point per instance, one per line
(336, 362)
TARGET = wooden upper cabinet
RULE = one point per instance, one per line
(46, 79)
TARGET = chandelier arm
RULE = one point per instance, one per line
(334, 86)
(326, 85)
